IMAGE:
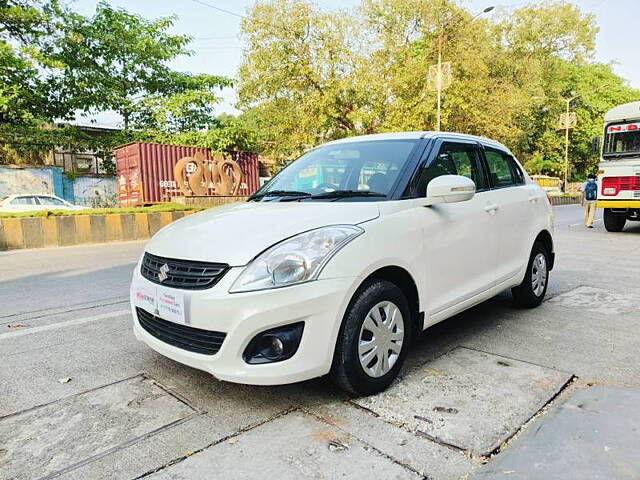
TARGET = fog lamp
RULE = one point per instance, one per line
(274, 345)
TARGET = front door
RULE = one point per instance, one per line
(460, 239)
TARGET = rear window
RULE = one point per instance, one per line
(50, 201)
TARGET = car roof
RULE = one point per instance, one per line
(418, 135)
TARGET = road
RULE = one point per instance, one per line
(81, 398)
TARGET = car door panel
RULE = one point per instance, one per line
(460, 239)
(515, 213)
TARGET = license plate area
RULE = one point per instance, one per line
(166, 303)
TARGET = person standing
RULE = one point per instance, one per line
(589, 191)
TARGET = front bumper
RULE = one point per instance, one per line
(319, 304)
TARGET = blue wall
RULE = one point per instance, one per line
(89, 191)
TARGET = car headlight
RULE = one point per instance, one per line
(295, 260)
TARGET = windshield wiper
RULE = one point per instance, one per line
(347, 194)
(281, 193)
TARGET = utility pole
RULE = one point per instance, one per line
(440, 74)
(439, 80)
(567, 121)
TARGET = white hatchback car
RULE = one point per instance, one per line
(344, 258)
(34, 203)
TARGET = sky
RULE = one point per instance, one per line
(218, 50)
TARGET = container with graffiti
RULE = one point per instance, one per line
(149, 173)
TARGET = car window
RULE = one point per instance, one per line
(50, 201)
(503, 169)
(454, 159)
(368, 166)
(23, 201)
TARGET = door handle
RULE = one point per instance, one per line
(533, 199)
(491, 208)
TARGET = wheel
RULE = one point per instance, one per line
(531, 291)
(613, 222)
(373, 340)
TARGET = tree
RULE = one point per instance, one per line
(190, 108)
(298, 74)
(119, 61)
(24, 92)
(309, 76)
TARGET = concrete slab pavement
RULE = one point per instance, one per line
(50, 439)
(468, 399)
(290, 447)
(593, 435)
(573, 331)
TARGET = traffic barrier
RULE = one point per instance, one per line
(58, 231)
(565, 199)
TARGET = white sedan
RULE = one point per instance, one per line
(36, 202)
(345, 257)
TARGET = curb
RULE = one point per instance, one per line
(62, 231)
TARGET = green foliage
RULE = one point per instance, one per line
(309, 76)
(55, 62)
(119, 61)
(24, 90)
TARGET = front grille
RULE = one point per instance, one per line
(196, 340)
(186, 274)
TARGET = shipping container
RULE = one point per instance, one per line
(145, 172)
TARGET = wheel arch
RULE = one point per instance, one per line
(403, 280)
(545, 238)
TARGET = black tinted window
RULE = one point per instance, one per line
(454, 159)
(503, 169)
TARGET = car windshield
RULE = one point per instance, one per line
(346, 170)
(622, 139)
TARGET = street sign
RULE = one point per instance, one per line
(567, 120)
(441, 81)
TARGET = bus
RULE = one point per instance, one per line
(619, 172)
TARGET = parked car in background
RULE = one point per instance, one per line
(31, 203)
(344, 258)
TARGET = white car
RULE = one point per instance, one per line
(35, 202)
(344, 258)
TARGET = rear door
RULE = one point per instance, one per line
(460, 238)
(515, 214)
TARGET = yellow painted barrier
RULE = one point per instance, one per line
(13, 233)
(618, 204)
(113, 227)
(83, 228)
(53, 231)
(50, 231)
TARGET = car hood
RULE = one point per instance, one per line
(236, 233)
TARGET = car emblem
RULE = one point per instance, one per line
(163, 272)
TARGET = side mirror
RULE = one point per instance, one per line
(595, 144)
(450, 189)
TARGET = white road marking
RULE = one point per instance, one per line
(78, 321)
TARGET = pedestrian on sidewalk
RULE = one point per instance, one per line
(589, 191)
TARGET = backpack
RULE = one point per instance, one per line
(591, 191)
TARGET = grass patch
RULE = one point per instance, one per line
(165, 207)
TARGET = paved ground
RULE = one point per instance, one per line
(81, 398)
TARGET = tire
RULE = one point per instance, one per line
(613, 222)
(530, 293)
(347, 370)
